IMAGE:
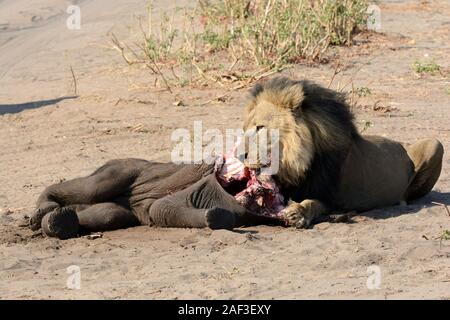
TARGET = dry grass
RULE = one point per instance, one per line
(239, 41)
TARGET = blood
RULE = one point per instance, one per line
(258, 192)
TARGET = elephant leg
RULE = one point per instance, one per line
(224, 208)
(204, 204)
(61, 223)
(174, 211)
(104, 185)
(106, 216)
(427, 158)
(198, 206)
(67, 222)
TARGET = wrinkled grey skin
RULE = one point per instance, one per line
(130, 192)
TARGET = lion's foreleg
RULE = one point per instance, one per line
(301, 215)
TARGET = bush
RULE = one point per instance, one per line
(242, 40)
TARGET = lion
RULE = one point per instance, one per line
(325, 164)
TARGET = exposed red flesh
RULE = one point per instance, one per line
(258, 193)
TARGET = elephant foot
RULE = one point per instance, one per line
(61, 223)
(39, 214)
(218, 218)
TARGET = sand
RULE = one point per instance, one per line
(47, 134)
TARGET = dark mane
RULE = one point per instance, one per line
(324, 108)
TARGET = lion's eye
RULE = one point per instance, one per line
(259, 128)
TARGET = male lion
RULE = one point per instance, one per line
(325, 164)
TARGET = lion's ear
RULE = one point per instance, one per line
(256, 90)
(281, 92)
(293, 96)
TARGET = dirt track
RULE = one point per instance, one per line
(117, 114)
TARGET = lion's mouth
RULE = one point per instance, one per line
(258, 164)
(256, 191)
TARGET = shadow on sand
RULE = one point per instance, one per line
(15, 108)
(434, 199)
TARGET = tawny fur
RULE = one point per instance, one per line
(303, 131)
(324, 158)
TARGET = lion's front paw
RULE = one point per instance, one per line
(297, 216)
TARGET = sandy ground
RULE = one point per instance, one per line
(46, 136)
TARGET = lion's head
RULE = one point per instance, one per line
(313, 123)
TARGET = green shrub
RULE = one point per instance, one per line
(247, 38)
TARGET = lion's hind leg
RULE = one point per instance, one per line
(427, 158)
